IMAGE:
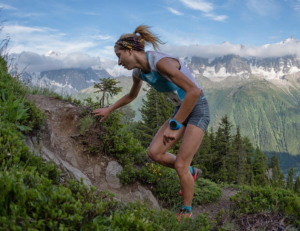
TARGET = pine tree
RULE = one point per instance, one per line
(259, 168)
(297, 185)
(226, 171)
(249, 153)
(107, 87)
(156, 110)
(240, 157)
(290, 179)
(203, 158)
(277, 177)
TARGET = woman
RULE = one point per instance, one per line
(170, 76)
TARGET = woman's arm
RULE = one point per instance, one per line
(126, 99)
(170, 67)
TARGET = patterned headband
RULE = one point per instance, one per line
(135, 43)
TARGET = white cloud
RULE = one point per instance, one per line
(219, 18)
(205, 7)
(35, 62)
(198, 5)
(263, 7)
(7, 7)
(102, 37)
(27, 15)
(296, 6)
(16, 29)
(174, 11)
(42, 39)
(212, 51)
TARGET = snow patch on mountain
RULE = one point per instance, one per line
(210, 72)
(289, 40)
(52, 53)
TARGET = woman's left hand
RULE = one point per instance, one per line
(169, 135)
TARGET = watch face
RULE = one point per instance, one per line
(173, 124)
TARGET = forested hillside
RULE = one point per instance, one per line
(266, 113)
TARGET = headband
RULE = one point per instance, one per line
(135, 43)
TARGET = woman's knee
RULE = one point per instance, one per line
(153, 154)
(181, 167)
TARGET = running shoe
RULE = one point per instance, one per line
(183, 213)
(196, 175)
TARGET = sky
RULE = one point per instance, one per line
(86, 31)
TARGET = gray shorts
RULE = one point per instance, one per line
(199, 116)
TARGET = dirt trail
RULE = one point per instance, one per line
(59, 136)
(222, 204)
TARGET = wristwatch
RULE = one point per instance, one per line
(174, 125)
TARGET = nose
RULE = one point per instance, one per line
(119, 62)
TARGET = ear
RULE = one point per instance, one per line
(130, 51)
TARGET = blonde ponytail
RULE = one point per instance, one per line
(148, 36)
(145, 35)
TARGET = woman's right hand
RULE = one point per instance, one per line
(104, 112)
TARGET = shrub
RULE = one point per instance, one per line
(166, 185)
(206, 191)
(86, 123)
(257, 199)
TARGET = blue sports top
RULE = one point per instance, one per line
(161, 82)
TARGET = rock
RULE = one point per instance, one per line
(148, 196)
(113, 168)
(47, 155)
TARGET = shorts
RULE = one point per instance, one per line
(199, 116)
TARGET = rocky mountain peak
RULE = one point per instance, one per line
(291, 39)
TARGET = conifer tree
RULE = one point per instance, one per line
(249, 153)
(240, 157)
(277, 177)
(107, 87)
(290, 179)
(212, 139)
(216, 163)
(156, 109)
(203, 157)
(259, 168)
(226, 159)
(297, 185)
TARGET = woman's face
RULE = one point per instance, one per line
(125, 58)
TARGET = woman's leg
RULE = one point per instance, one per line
(157, 151)
(192, 139)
